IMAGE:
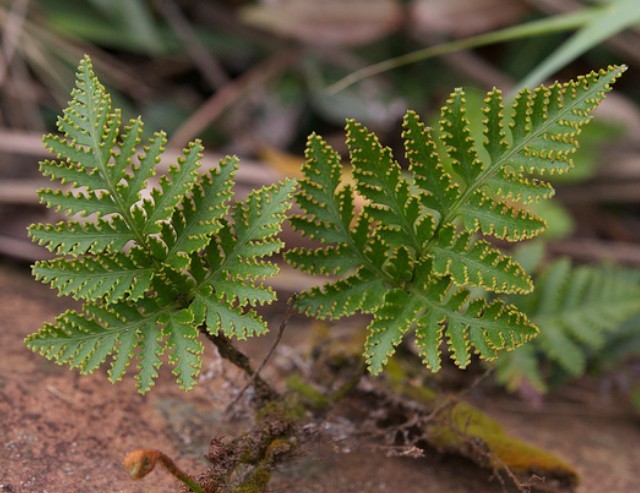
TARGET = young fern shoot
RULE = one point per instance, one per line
(150, 271)
(412, 254)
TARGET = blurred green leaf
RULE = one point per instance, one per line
(559, 222)
(127, 24)
(374, 104)
(530, 255)
(81, 19)
(614, 17)
(542, 27)
(635, 399)
(621, 344)
(134, 18)
(588, 157)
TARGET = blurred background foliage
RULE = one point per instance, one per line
(254, 78)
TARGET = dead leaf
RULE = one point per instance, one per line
(327, 23)
(461, 18)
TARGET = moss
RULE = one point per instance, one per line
(309, 394)
(399, 376)
(278, 448)
(634, 398)
(270, 440)
(289, 408)
(460, 424)
(255, 482)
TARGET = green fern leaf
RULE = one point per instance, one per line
(236, 266)
(144, 169)
(388, 194)
(185, 348)
(476, 262)
(506, 186)
(110, 277)
(407, 257)
(73, 174)
(173, 187)
(152, 267)
(457, 137)
(150, 349)
(497, 218)
(362, 291)
(393, 320)
(199, 216)
(221, 315)
(330, 260)
(574, 307)
(85, 341)
(73, 238)
(83, 203)
(488, 327)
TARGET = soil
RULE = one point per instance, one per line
(61, 432)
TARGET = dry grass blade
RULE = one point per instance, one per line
(231, 93)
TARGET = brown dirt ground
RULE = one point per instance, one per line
(62, 433)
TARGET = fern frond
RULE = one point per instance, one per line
(200, 215)
(235, 264)
(73, 238)
(389, 199)
(84, 341)
(471, 261)
(497, 218)
(409, 255)
(221, 315)
(362, 291)
(487, 327)
(151, 269)
(81, 202)
(574, 307)
(111, 277)
(173, 187)
(145, 168)
(184, 346)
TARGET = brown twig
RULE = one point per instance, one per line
(230, 94)
(589, 249)
(12, 29)
(20, 192)
(22, 249)
(256, 374)
(209, 66)
(613, 192)
(231, 353)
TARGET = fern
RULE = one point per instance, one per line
(575, 308)
(149, 271)
(412, 254)
(152, 269)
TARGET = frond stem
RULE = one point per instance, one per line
(228, 351)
